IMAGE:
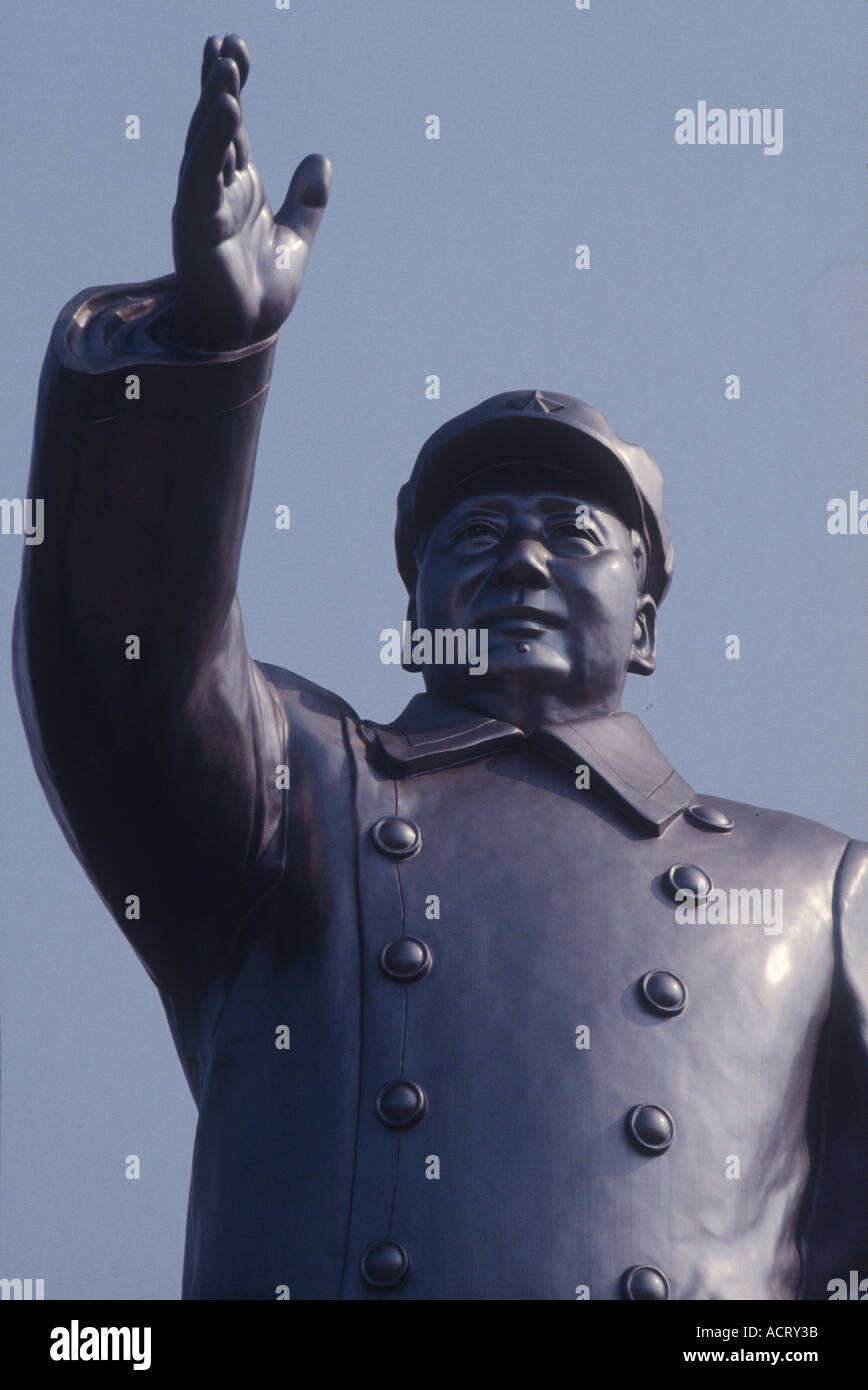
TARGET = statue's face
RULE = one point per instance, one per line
(562, 602)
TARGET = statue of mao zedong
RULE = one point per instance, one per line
(465, 1000)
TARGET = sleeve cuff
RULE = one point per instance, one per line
(106, 334)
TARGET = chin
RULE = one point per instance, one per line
(536, 669)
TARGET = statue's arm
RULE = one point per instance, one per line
(157, 739)
(835, 1236)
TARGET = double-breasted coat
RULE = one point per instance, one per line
(446, 1033)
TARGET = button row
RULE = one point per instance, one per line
(689, 877)
(385, 1264)
(408, 959)
(399, 838)
(401, 1104)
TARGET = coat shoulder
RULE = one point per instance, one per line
(304, 702)
(790, 851)
(780, 828)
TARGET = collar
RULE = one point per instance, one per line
(431, 735)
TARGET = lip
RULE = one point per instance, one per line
(517, 630)
(521, 620)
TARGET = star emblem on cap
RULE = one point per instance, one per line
(535, 401)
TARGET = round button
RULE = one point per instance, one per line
(651, 1127)
(644, 1282)
(709, 818)
(406, 959)
(396, 837)
(663, 992)
(401, 1104)
(686, 878)
(384, 1264)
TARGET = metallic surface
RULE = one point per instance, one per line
(551, 908)
(553, 428)
(454, 1131)
(663, 992)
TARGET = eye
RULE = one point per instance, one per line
(476, 531)
(580, 537)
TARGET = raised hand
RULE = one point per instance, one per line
(238, 268)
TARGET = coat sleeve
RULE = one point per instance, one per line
(155, 736)
(835, 1239)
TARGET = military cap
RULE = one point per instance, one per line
(542, 427)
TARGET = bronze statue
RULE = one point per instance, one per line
(484, 1003)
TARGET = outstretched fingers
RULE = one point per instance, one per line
(200, 183)
(225, 68)
(224, 76)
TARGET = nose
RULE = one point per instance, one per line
(524, 566)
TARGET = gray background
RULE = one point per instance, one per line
(454, 257)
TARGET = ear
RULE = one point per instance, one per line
(644, 650)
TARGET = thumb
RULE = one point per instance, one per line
(308, 194)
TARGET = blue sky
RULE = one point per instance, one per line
(453, 257)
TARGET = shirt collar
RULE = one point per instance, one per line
(431, 735)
